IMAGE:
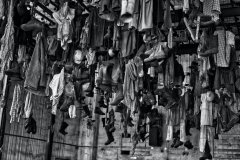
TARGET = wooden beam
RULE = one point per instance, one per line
(230, 4)
(230, 12)
(226, 12)
(187, 49)
(192, 48)
(42, 15)
(45, 9)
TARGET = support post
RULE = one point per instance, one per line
(96, 124)
(49, 143)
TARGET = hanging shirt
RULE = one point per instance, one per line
(222, 58)
(16, 103)
(57, 86)
(7, 40)
(146, 15)
(28, 105)
(2, 6)
(64, 18)
(212, 8)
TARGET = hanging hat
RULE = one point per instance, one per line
(210, 96)
(69, 89)
(78, 56)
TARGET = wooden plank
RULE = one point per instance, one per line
(230, 12)
(192, 48)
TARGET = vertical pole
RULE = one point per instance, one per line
(49, 144)
(95, 137)
(96, 124)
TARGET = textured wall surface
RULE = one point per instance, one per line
(90, 141)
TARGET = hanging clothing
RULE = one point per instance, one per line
(57, 86)
(106, 10)
(7, 40)
(64, 19)
(91, 56)
(183, 135)
(96, 29)
(212, 8)
(22, 50)
(206, 134)
(146, 15)
(116, 37)
(135, 17)
(84, 34)
(169, 133)
(36, 79)
(185, 6)
(128, 42)
(52, 45)
(185, 61)
(169, 72)
(130, 86)
(197, 104)
(167, 16)
(2, 6)
(230, 42)
(206, 111)
(28, 105)
(158, 12)
(222, 58)
(15, 111)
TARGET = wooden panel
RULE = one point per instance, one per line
(18, 148)
(230, 12)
